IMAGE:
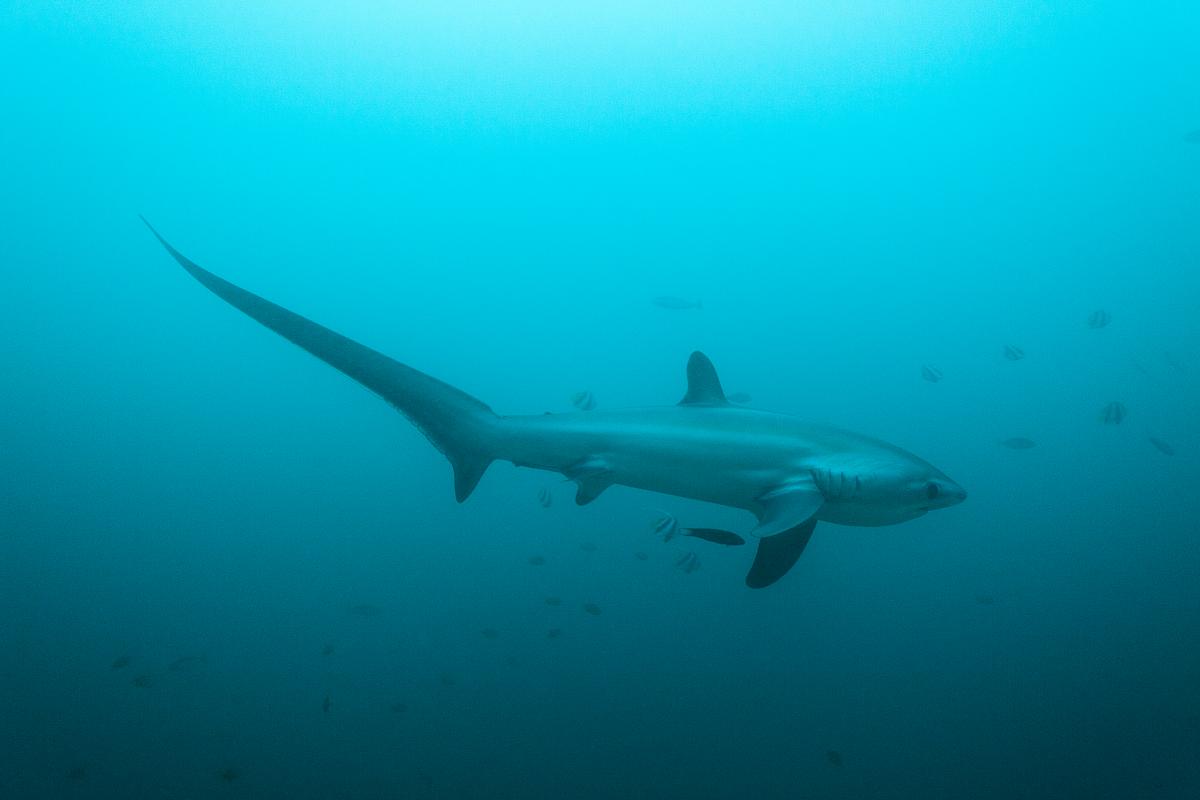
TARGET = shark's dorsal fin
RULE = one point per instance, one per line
(704, 387)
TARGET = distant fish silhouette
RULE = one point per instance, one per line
(398, 708)
(1019, 443)
(584, 401)
(1192, 136)
(447, 679)
(1099, 319)
(641, 555)
(365, 610)
(834, 757)
(536, 561)
(326, 704)
(1172, 361)
(676, 303)
(741, 398)
(553, 601)
(1113, 414)
(931, 374)
(120, 662)
(688, 562)
(985, 600)
(1162, 446)
(490, 633)
(187, 663)
(144, 681)
(727, 538)
(327, 650)
(229, 774)
(545, 498)
(666, 526)
(77, 774)
(587, 547)
(554, 633)
(1013, 353)
(592, 609)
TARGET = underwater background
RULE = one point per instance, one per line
(966, 228)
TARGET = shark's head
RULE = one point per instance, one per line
(886, 488)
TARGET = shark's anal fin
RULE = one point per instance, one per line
(787, 506)
(592, 476)
(778, 554)
(704, 387)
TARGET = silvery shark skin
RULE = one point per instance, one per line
(789, 473)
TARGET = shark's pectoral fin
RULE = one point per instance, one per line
(592, 476)
(786, 507)
(778, 554)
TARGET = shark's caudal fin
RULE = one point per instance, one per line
(460, 426)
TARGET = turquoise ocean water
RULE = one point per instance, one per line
(228, 571)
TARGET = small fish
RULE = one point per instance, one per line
(688, 562)
(398, 708)
(587, 547)
(1019, 443)
(676, 303)
(592, 609)
(1192, 136)
(727, 538)
(536, 561)
(553, 601)
(447, 679)
(490, 633)
(229, 774)
(741, 398)
(666, 526)
(554, 633)
(584, 401)
(1099, 319)
(327, 650)
(77, 774)
(326, 704)
(985, 600)
(187, 663)
(1162, 446)
(1172, 361)
(834, 757)
(120, 662)
(545, 498)
(143, 681)
(1013, 353)
(641, 555)
(1113, 414)
(365, 610)
(931, 374)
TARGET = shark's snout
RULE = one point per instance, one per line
(952, 494)
(943, 493)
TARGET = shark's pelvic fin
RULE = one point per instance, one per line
(592, 476)
(704, 387)
(461, 427)
(787, 506)
(778, 554)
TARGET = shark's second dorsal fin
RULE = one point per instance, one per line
(704, 387)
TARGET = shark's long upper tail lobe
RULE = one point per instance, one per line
(461, 427)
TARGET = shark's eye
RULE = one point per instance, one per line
(931, 490)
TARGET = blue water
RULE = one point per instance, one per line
(194, 513)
